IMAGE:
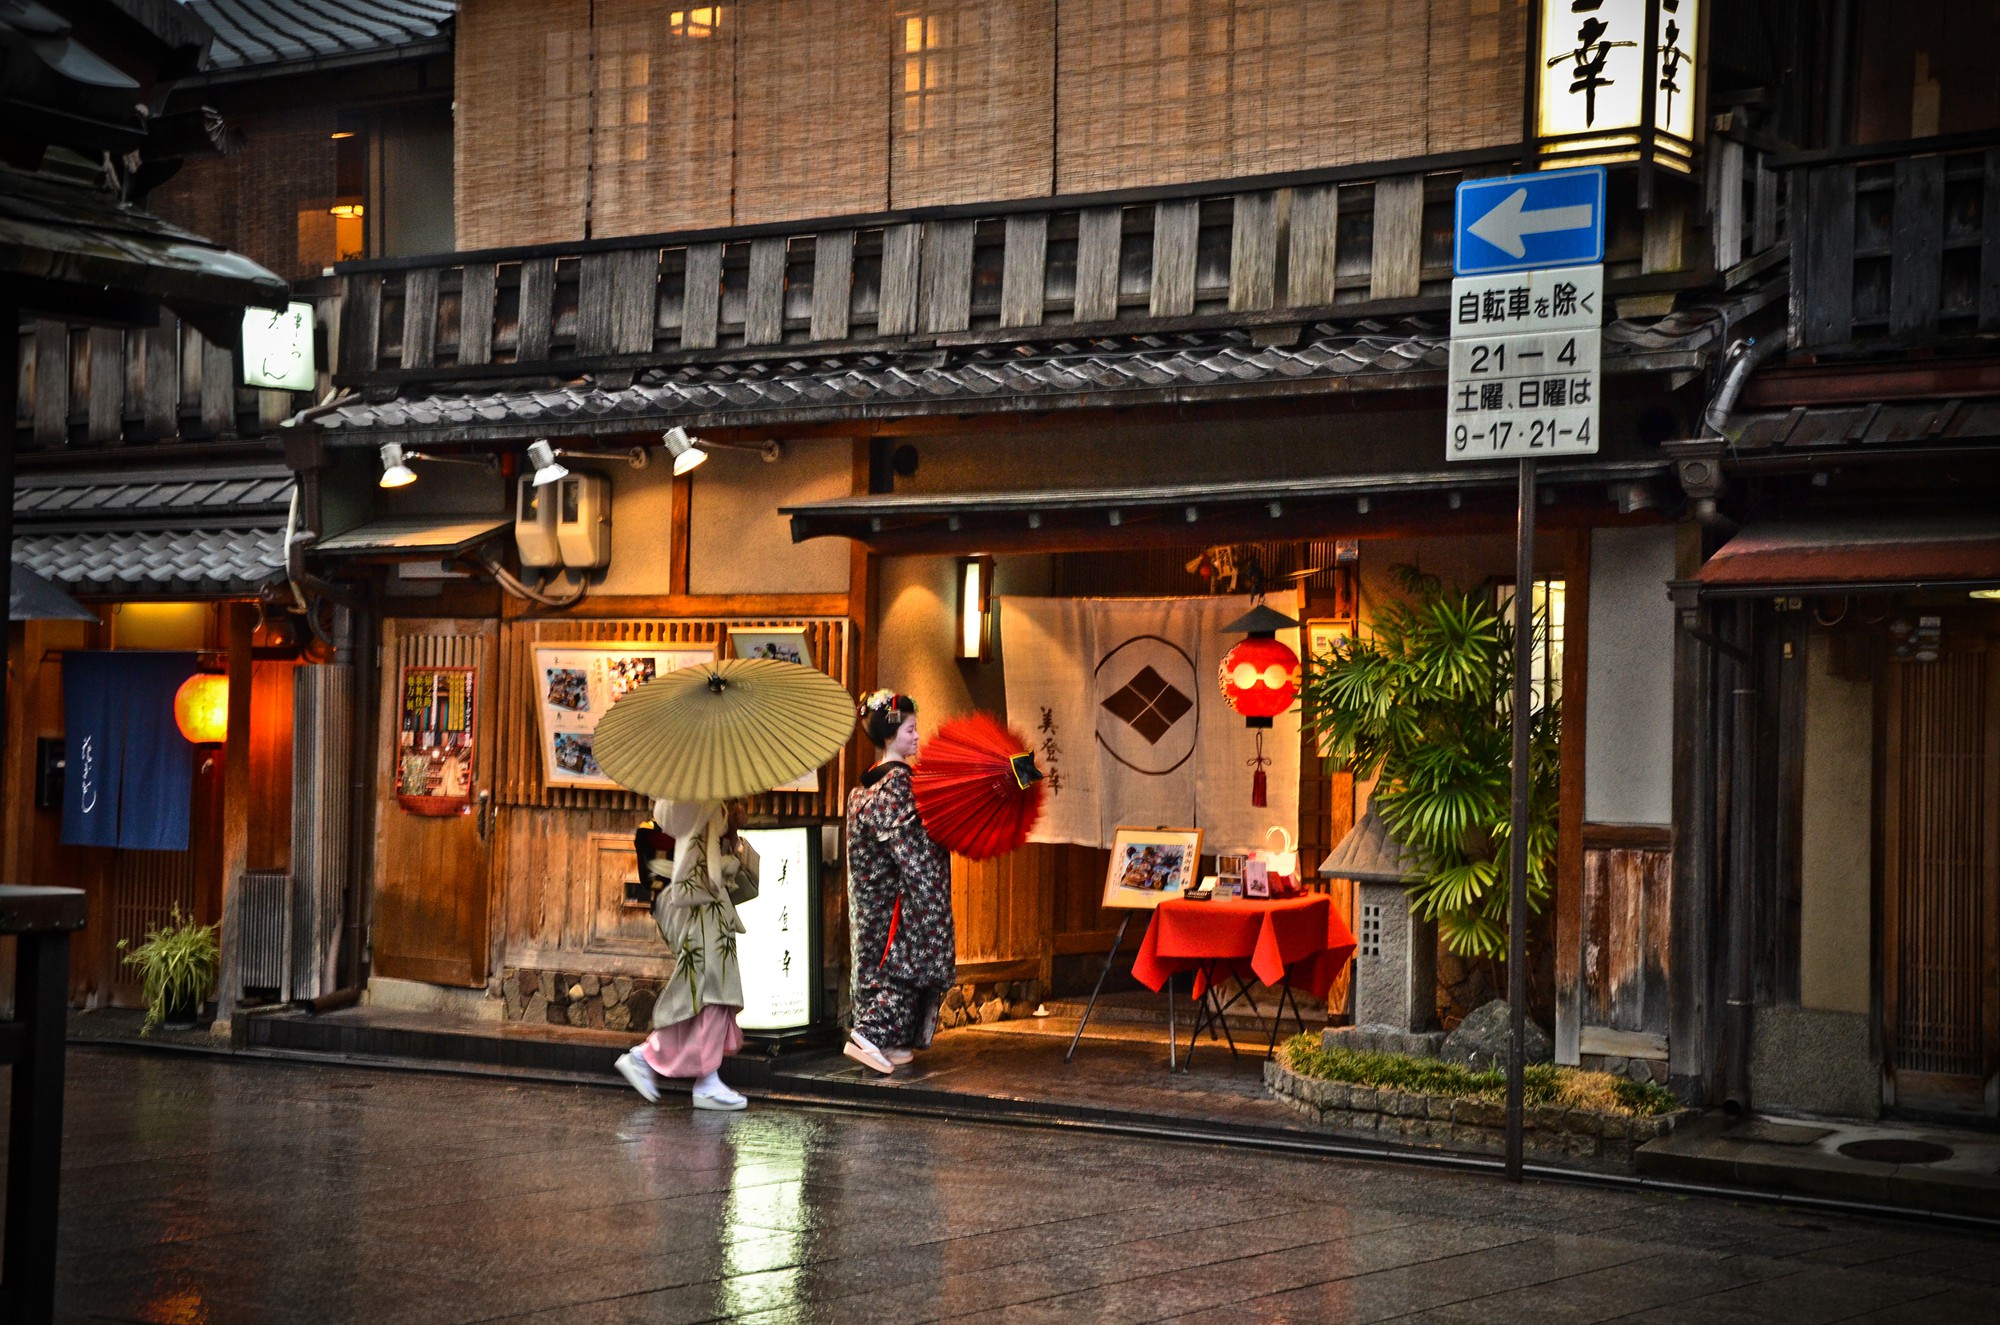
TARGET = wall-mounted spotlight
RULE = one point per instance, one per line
(543, 457)
(689, 450)
(396, 471)
(975, 608)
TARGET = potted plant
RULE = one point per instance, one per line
(1423, 703)
(178, 962)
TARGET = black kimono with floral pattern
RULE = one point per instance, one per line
(899, 896)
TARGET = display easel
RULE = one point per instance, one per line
(1104, 974)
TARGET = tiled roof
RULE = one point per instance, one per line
(155, 561)
(207, 530)
(1175, 366)
(255, 33)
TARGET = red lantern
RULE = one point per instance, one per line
(201, 708)
(1260, 679)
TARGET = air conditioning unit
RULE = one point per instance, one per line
(583, 521)
(535, 525)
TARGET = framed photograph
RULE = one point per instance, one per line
(1256, 879)
(1323, 633)
(784, 643)
(1152, 865)
(576, 684)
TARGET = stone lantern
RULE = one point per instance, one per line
(1395, 960)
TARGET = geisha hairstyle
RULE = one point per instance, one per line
(883, 713)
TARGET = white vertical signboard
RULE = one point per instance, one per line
(775, 950)
(1525, 351)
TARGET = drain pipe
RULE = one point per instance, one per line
(1742, 861)
(1745, 357)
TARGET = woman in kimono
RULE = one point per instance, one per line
(899, 898)
(695, 894)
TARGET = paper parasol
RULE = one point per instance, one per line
(720, 730)
(977, 787)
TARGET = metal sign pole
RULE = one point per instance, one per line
(1517, 872)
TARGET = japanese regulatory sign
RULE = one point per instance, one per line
(1525, 354)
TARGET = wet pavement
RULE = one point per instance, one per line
(207, 1190)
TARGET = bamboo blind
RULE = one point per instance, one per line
(812, 131)
(519, 780)
(971, 101)
(1175, 91)
(665, 117)
(523, 122)
(1479, 53)
(269, 197)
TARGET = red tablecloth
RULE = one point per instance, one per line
(1302, 939)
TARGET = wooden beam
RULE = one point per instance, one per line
(420, 307)
(1100, 238)
(1253, 252)
(104, 420)
(946, 275)
(478, 284)
(218, 389)
(1023, 270)
(537, 310)
(1396, 267)
(680, 512)
(361, 324)
(617, 293)
(239, 628)
(1822, 282)
(1916, 251)
(833, 284)
(1569, 791)
(51, 425)
(1176, 235)
(764, 300)
(1311, 246)
(161, 410)
(701, 299)
(897, 305)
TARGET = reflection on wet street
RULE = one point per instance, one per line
(200, 1191)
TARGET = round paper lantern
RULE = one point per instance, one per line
(1260, 679)
(201, 708)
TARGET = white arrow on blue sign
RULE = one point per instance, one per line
(1516, 222)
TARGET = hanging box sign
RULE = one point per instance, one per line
(434, 745)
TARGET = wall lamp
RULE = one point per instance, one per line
(689, 450)
(547, 470)
(975, 609)
(396, 471)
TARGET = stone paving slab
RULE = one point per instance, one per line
(216, 1191)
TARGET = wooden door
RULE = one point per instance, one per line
(1941, 877)
(431, 872)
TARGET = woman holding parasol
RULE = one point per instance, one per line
(899, 898)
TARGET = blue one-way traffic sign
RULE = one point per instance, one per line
(1514, 222)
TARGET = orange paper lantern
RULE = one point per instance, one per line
(1260, 679)
(201, 708)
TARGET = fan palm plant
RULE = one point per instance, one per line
(1424, 705)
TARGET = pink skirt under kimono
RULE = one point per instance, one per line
(695, 1047)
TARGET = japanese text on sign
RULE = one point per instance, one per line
(1533, 394)
(1560, 299)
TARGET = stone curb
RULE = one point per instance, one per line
(1446, 1122)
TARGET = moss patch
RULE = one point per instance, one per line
(1545, 1084)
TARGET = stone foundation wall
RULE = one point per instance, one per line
(1632, 1069)
(1479, 1126)
(601, 1002)
(625, 1003)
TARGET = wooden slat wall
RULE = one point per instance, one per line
(518, 780)
(665, 127)
(812, 122)
(1625, 932)
(521, 154)
(972, 101)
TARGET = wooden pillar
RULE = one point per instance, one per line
(239, 625)
(1570, 778)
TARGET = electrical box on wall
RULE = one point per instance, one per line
(535, 525)
(583, 521)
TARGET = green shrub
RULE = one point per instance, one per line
(178, 962)
(1542, 1083)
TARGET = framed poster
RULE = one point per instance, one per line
(783, 643)
(434, 741)
(1323, 633)
(1151, 865)
(575, 684)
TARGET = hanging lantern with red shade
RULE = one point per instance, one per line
(201, 708)
(1260, 679)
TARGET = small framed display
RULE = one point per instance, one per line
(782, 643)
(1256, 879)
(1229, 875)
(1323, 633)
(1152, 865)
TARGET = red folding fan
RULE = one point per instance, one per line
(977, 787)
